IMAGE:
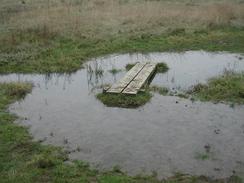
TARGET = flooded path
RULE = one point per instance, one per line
(166, 135)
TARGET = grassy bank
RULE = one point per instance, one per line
(22, 160)
(31, 53)
(58, 36)
(227, 88)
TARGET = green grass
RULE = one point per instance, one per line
(115, 71)
(162, 68)
(129, 66)
(124, 101)
(30, 52)
(10, 92)
(226, 88)
(16, 90)
(23, 160)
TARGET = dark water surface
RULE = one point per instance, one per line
(166, 135)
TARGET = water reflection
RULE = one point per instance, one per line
(94, 73)
(163, 135)
(186, 69)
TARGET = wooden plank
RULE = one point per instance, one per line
(124, 82)
(136, 84)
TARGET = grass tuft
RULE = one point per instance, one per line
(18, 90)
(123, 100)
(162, 67)
(13, 91)
(115, 71)
(43, 161)
(129, 66)
(226, 88)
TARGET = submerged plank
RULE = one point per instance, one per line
(124, 82)
(136, 84)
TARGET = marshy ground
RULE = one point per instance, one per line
(58, 36)
(53, 40)
(169, 134)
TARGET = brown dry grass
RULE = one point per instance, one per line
(105, 18)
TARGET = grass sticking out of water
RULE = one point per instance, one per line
(202, 156)
(226, 88)
(123, 100)
(129, 66)
(158, 89)
(115, 71)
(161, 67)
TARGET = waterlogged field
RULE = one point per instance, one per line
(59, 36)
(167, 135)
(64, 47)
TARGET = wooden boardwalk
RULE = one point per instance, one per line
(134, 79)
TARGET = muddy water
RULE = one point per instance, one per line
(166, 135)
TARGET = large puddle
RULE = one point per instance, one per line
(163, 136)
